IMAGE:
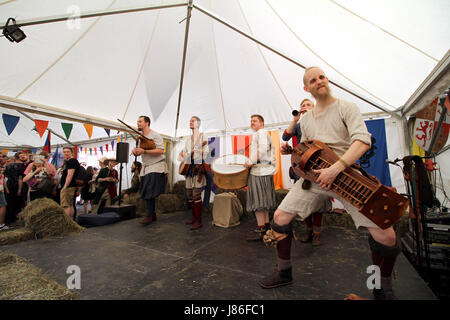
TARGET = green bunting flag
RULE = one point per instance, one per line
(67, 127)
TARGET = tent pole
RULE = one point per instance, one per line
(183, 64)
(91, 14)
(259, 42)
(48, 129)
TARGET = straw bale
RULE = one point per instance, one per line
(15, 235)
(46, 218)
(20, 280)
(169, 203)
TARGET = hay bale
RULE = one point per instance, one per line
(20, 280)
(46, 219)
(15, 235)
(179, 188)
(169, 203)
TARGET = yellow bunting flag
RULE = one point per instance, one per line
(278, 176)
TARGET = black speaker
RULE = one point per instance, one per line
(122, 151)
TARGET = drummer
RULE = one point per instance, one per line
(261, 190)
(194, 153)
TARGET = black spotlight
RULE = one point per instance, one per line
(12, 31)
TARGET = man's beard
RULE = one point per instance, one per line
(322, 95)
(139, 129)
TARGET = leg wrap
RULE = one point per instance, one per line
(189, 194)
(276, 234)
(385, 251)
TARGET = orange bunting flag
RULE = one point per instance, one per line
(41, 126)
(89, 128)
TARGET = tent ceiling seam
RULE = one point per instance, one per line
(142, 65)
(8, 1)
(218, 74)
(385, 31)
(264, 58)
(63, 54)
(323, 60)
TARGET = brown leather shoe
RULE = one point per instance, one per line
(316, 239)
(277, 279)
(146, 220)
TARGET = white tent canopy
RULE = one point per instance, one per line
(124, 65)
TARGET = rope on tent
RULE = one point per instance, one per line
(264, 58)
(218, 74)
(142, 65)
(63, 54)
(323, 60)
(385, 31)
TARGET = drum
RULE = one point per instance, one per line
(229, 171)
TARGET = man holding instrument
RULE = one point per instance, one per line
(194, 155)
(338, 124)
(313, 221)
(154, 169)
(261, 189)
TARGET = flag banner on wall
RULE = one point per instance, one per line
(112, 145)
(89, 128)
(47, 145)
(41, 126)
(426, 125)
(90, 151)
(374, 160)
(107, 147)
(10, 122)
(278, 176)
(75, 151)
(67, 128)
(214, 148)
(241, 144)
(81, 149)
(108, 131)
(101, 149)
(5, 151)
(55, 157)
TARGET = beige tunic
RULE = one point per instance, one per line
(154, 163)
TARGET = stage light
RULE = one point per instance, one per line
(12, 32)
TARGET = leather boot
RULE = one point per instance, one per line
(149, 218)
(277, 279)
(316, 238)
(198, 215)
(386, 292)
(191, 221)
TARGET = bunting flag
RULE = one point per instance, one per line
(108, 131)
(81, 149)
(55, 157)
(241, 144)
(90, 151)
(47, 145)
(374, 160)
(10, 122)
(88, 128)
(214, 148)
(106, 147)
(34, 150)
(75, 151)
(112, 145)
(278, 176)
(118, 138)
(41, 126)
(67, 128)
(5, 151)
(95, 149)
(101, 149)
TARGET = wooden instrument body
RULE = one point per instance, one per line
(145, 143)
(378, 203)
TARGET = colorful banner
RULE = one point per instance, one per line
(278, 176)
(55, 157)
(241, 144)
(214, 148)
(108, 131)
(374, 160)
(47, 146)
(101, 149)
(10, 122)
